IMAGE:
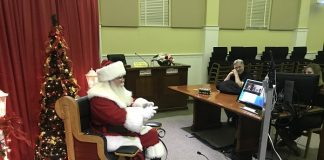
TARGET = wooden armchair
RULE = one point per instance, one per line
(255, 70)
(81, 143)
(218, 72)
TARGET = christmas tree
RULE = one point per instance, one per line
(58, 82)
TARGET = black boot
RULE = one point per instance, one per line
(292, 145)
(288, 140)
(156, 159)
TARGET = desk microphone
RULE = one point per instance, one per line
(154, 58)
(199, 153)
(142, 59)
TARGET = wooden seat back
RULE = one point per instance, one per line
(81, 145)
(218, 72)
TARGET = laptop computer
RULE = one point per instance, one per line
(252, 95)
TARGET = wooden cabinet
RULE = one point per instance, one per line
(152, 84)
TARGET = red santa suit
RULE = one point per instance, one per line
(119, 120)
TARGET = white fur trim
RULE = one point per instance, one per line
(103, 90)
(139, 102)
(111, 71)
(145, 129)
(114, 142)
(156, 151)
(134, 119)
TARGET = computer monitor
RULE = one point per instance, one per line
(252, 94)
(305, 86)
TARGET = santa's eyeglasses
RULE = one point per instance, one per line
(120, 78)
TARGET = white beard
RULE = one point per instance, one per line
(121, 93)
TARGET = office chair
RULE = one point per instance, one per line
(219, 54)
(117, 57)
(298, 53)
(250, 54)
(235, 53)
(308, 134)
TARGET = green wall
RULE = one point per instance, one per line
(148, 40)
(212, 10)
(151, 40)
(315, 38)
(258, 38)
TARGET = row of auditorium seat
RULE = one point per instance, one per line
(258, 69)
(248, 54)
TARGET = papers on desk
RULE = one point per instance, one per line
(258, 112)
(171, 71)
(249, 109)
(145, 72)
(140, 64)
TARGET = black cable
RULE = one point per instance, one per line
(166, 149)
(272, 70)
(199, 153)
(273, 147)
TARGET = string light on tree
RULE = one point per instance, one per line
(58, 82)
(3, 141)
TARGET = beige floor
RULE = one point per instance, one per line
(284, 152)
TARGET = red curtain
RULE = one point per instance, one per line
(25, 25)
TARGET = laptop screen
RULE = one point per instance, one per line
(252, 94)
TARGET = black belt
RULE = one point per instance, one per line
(111, 128)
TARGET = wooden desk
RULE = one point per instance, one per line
(152, 84)
(206, 115)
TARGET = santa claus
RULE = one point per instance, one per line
(119, 117)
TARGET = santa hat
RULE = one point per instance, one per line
(110, 70)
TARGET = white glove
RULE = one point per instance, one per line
(140, 102)
(148, 104)
(148, 112)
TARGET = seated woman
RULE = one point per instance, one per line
(314, 68)
(305, 122)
